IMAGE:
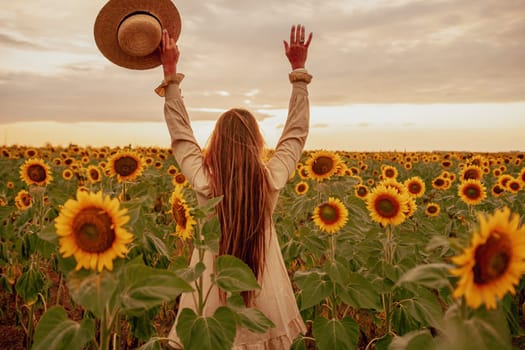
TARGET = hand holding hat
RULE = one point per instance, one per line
(129, 32)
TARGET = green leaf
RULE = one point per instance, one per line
(29, 285)
(428, 275)
(143, 287)
(338, 272)
(92, 290)
(359, 293)
(415, 340)
(190, 274)
(211, 231)
(481, 330)
(233, 275)
(56, 331)
(424, 308)
(207, 333)
(249, 318)
(315, 286)
(336, 334)
(48, 233)
(298, 344)
(158, 244)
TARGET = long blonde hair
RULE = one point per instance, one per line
(234, 158)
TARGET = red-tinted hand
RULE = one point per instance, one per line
(297, 50)
(169, 54)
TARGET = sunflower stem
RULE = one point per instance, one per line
(104, 338)
(59, 289)
(386, 298)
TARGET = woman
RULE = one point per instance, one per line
(233, 167)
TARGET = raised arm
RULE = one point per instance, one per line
(186, 150)
(290, 146)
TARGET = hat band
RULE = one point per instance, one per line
(139, 34)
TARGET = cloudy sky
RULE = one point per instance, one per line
(388, 74)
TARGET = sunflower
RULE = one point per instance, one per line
(30, 153)
(497, 190)
(3, 202)
(303, 173)
(301, 188)
(172, 170)
(91, 229)
(35, 172)
(440, 183)
(182, 214)
(389, 171)
(386, 205)
(504, 179)
(432, 209)
(179, 180)
(10, 185)
(94, 174)
(514, 186)
(393, 183)
(330, 216)
(473, 172)
(67, 174)
(323, 164)
(472, 191)
(494, 262)
(361, 191)
(415, 186)
(125, 165)
(23, 200)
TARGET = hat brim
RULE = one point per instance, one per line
(115, 11)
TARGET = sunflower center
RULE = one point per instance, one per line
(390, 173)
(93, 230)
(323, 165)
(414, 188)
(126, 166)
(361, 191)
(492, 259)
(472, 192)
(515, 186)
(498, 190)
(328, 213)
(36, 173)
(439, 182)
(471, 174)
(26, 200)
(301, 188)
(386, 206)
(94, 174)
(179, 213)
(180, 178)
(432, 209)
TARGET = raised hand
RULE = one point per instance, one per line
(169, 54)
(297, 49)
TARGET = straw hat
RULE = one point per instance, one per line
(128, 32)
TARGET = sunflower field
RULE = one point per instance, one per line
(385, 250)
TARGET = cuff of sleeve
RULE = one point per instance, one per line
(300, 75)
(170, 79)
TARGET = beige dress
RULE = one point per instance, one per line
(275, 298)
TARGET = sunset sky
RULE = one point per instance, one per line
(388, 74)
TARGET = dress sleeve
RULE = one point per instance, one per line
(186, 150)
(290, 146)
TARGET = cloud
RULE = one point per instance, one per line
(8, 40)
(362, 52)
